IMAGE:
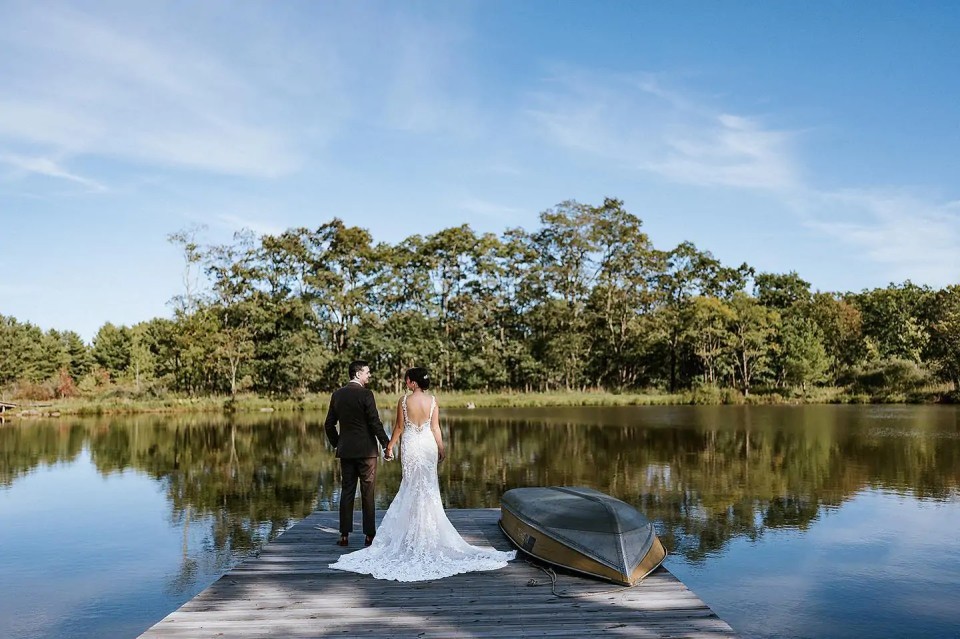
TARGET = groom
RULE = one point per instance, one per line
(354, 407)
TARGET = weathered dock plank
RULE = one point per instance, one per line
(289, 591)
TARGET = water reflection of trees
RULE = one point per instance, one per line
(705, 475)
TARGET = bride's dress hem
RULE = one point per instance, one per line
(407, 578)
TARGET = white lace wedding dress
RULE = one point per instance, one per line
(416, 541)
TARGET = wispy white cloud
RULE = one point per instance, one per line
(259, 98)
(912, 236)
(633, 121)
(116, 90)
(489, 209)
(237, 223)
(637, 122)
(49, 168)
(424, 89)
(729, 151)
(48, 124)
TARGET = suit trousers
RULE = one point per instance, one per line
(352, 470)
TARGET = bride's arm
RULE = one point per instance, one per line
(397, 429)
(435, 427)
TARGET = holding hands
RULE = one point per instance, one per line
(388, 454)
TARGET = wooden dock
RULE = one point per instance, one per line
(289, 591)
(5, 406)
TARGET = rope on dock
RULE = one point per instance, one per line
(549, 572)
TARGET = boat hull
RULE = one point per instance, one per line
(547, 545)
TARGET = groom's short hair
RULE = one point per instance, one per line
(356, 366)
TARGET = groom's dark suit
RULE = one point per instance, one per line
(354, 407)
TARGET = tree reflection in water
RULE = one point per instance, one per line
(704, 474)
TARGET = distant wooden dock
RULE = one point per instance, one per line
(5, 406)
(288, 591)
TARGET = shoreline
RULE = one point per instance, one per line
(80, 407)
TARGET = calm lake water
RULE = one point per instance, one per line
(824, 521)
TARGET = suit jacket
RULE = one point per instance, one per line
(355, 409)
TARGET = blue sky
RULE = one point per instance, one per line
(816, 137)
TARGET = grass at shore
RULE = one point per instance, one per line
(117, 403)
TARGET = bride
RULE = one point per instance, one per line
(416, 541)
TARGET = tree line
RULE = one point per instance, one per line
(583, 302)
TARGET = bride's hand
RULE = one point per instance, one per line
(388, 454)
(441, 455)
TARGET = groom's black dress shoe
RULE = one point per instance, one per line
(368, 540)
(342, 541)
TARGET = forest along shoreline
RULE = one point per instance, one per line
(583, 311)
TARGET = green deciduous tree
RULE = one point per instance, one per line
(803, 356)
(749, 332)
(945, 335)
(781, 291)
(623, 295)
(112, 349)
(708, 332)
(895, 321)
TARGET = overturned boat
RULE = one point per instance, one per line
(583, 530)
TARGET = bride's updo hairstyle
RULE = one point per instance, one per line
(420, 376)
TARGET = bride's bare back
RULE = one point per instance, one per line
(418, 408)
